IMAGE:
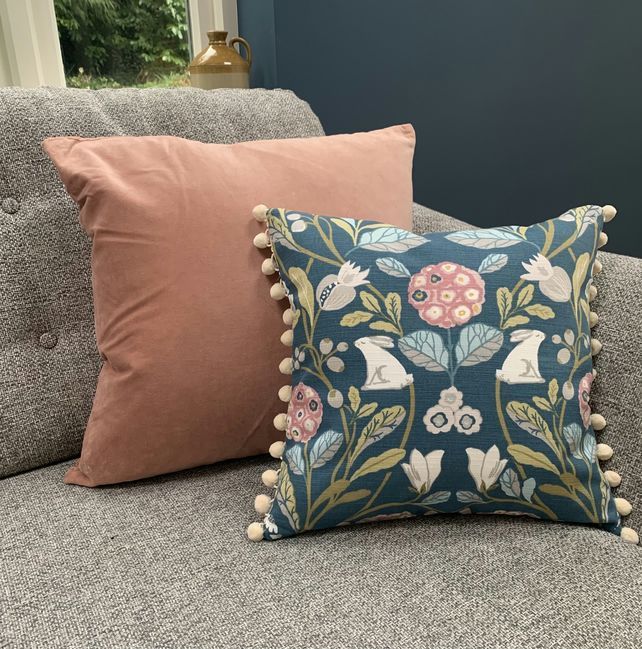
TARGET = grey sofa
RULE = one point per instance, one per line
(165, 562)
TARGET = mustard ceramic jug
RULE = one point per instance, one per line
(219, 65)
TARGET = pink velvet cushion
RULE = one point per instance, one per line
(184, 383)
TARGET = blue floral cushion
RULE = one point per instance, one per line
(443, 373)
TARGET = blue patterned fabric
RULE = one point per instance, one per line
(449, 372)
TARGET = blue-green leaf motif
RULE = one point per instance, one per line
(469, 497)
(485, 239)
(528, 488)
(294, 456)
(477, 343)
(324, 448)
(425, 349)
(436, 498)
(573, 436)
(494, 262)
(392, 267)
(389, 239)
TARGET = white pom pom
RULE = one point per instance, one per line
(285, 366)
(285, 393)
(623, 506)
(596, 346)
(277, 449)
(262, 504)
(277, 291)
(592, 293)
(270, 478)
(594, 372)
(604, 452)
(629, 535)
(593, 319)
(260, 213)
(268, 267)
(613, 478)
(255, 531)
(597, 267)
(608, 212)
(602, 240)
(280, 421)
(261, 240)
(287, 337)
(598, 422)
(288, 317)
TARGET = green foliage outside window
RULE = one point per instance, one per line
(113, 43)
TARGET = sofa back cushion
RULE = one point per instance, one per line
(48, 357)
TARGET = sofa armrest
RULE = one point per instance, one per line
(617, 390)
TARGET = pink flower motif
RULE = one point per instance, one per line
(584, 393)
(305, 412)
(446, 294)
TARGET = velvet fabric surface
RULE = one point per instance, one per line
(182, 382)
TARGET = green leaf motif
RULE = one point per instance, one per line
(555, 490)
(515, 321)
(384, 325)
(351, 496)
(304, 288)
(436, 498)
(579, 273)
(392, 267)
(354, 398)
(425, 349)
(332, 490)
(382, 424)
(280, 234)
(355, 318)
(386, 460)
(540, 311)
(542, 403)
(524, 455)
(525, 296)
(553, 391)
(370, 302)
(393, 306)
(285, 498)
(477, 343)
(528, 419)
(504, 302)
(324, 448)
(367, 409)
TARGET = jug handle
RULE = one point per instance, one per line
(246, 45)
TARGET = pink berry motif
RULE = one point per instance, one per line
(305, 412)
(583, 395)
(446, 294)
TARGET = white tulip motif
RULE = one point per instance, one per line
(336, 291)
(485, 468)
(423, 470)
(554, 281)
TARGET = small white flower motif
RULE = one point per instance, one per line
(451, 398)
(337, 291)
(326, 346)
(270, 524)
(335, 398)
(554, 281)
(423, 470)
(335, 364)
(298, 226)
(342, 347)
(439, 419)
(468, 420)
(298, 358)
(485, 468)
(293, 216)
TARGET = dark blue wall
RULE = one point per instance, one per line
(522, 108)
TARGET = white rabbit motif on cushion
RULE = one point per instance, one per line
(522, 365)
(383, 370)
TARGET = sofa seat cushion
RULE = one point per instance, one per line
(164, 563)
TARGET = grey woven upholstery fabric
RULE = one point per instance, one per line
(164, 563)
(617, 390)
(48, 357)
